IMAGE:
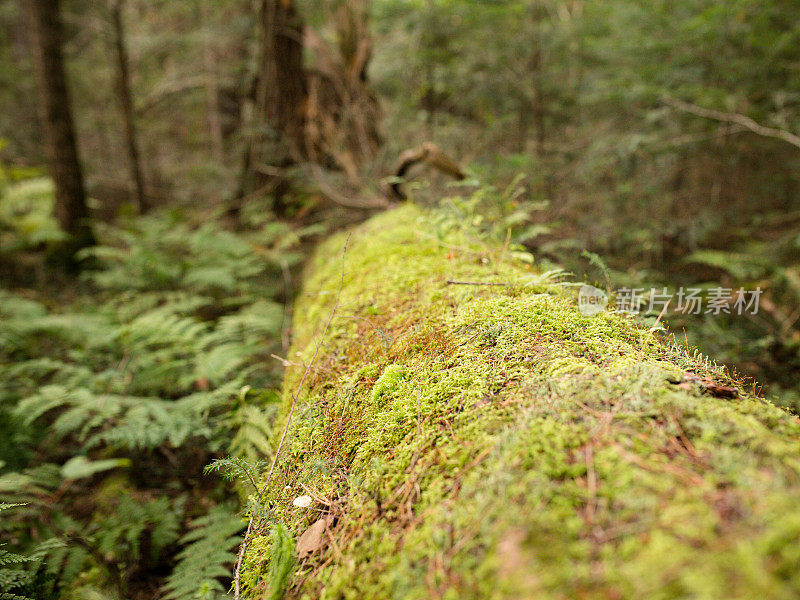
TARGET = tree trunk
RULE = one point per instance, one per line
(326, 116)
(212, 87)
(430, 103)
(281, 89)
(126, 105)
(276, 121)
(461, 430)
(55, 112)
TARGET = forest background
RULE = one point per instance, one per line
(148, 273)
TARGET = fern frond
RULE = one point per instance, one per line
(13, 578)
(209, 551)
(740, 265)
(252, 425)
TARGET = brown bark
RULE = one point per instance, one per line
(56, 116)
(212, 88)
(281, 90)
(278, 109)
(126, 104)
(325, 116)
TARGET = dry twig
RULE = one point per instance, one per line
(237, 574)
(744, 121)
(427, 153)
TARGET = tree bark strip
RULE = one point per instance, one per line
(126, 104)
(56, 115)
(281, 89)
(212, 88)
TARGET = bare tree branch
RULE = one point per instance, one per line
(430, 154)
(334, 196)
(744, 121)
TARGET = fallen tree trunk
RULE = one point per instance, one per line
(489, 441)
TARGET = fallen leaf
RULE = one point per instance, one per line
(509, 551)
(302, 501)
(312, 538)
(515, 564)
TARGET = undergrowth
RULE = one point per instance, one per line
(156, 363)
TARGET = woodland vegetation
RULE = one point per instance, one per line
(168, 168)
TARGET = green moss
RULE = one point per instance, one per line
(389, 382)
(492, 442)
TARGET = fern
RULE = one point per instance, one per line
(211, 261)
(252, 426)
(740, 265)
(21, 577)
(208, 554)
(168, 357)
(120, 534)
(26, 215)
(127, 422)
(234, 468)
(600, 265)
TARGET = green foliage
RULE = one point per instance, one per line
(281, 561)
(12, 576)
(158, 364)
(21, 577)
(26, 215)
(739, 265)
(209, 548)
(161, 253)
(493, 216)
(235, 468)
(121, 532)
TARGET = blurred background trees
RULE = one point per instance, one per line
(660, 135)
(55, 111)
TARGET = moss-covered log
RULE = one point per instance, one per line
(476, 441)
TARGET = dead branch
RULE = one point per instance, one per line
(430, 154)
(744, 121)
(237, 572)
(174, 88)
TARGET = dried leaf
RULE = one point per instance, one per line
(312, 538)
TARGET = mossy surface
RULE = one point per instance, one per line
(477, 441)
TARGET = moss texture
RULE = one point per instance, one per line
(476, 441)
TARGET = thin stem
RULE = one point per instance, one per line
(243, 548)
